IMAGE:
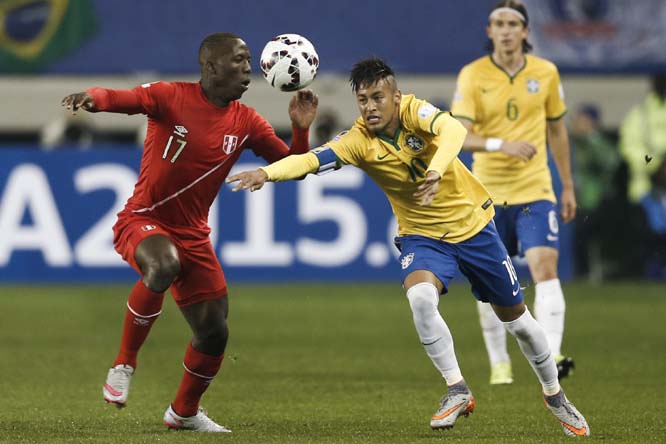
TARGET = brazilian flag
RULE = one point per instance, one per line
(34, 33)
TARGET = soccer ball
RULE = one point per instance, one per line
(289, 62)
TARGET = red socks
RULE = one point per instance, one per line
(200, 369)
(143, 308)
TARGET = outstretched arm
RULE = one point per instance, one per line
(320, 160)
(100, 99)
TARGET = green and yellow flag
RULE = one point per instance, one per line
(34, 33)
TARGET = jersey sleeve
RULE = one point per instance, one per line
(342, 150)
(449, 137)
(348, 146)
(149, 98)
(555, 106)
(463, 104)
(423, 115)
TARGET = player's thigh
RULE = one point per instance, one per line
(505, 224)
(542, 262)
(201, 277)
(537, 225)
(421, 276)
(426, 260)
(131, 232)
(539, 234)
(486, 263)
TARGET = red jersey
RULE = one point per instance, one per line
(190, 147)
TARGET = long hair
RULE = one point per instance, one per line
(519, 7)
(369, 72)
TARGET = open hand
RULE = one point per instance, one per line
(428, 189)
(303, 108)
(248, 180)
(81, 100)
(567, 205)
(522, 150)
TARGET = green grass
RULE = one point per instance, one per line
(323, 364)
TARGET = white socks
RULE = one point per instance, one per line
(433, 331)
(534, 345)
(494, 334)
(549, 308)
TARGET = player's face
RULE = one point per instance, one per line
(379, 105)
(232, 69)
(507, 32)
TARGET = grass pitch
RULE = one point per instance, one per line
(323, 364)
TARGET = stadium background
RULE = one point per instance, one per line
(327, 361)
(57, 205)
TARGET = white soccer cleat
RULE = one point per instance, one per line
(116, 388)
(573, 423)
(198, 423)
(452, 406)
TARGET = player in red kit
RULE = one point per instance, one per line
(196, 132)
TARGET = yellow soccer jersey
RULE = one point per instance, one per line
(462, 206)
(511, 108)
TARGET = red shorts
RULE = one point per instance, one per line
(201, 277)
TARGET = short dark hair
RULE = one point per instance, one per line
(214, 40)
(519, 7)
(369, 72)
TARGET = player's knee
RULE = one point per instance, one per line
(161, 272)
(423, 299)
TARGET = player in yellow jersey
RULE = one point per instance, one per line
(410, 148)
(509, 101)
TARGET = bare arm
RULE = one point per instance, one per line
(558, 139)
(474, 142)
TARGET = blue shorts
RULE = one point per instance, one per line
(483, 259)
(524, 226)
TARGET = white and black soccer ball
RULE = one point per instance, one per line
(289, 62)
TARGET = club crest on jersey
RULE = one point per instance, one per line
(229, 144)
(407, 260)
(532, 86)
(414, 142)
(148, 228)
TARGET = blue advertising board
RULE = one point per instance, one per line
(57, 209)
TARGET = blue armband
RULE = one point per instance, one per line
(328, 161)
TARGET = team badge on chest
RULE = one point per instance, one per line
(229, 144)
(414, 142)
(532, 86)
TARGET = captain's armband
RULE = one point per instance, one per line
(328, 161)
